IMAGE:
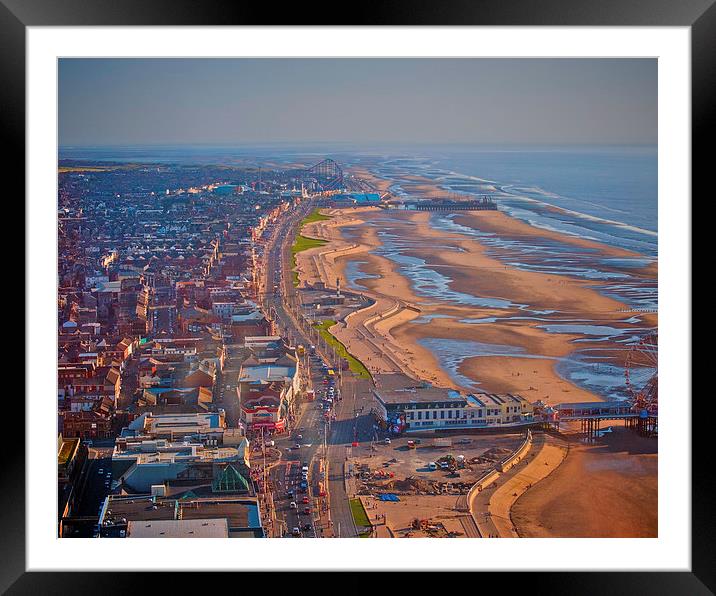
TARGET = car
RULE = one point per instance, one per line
(293, 505)
(296, 532)
(307, 510)
(307, 527)
(299, 437)
(297, 446)
(100, 471)
(290, 494)
(305, 500)
(387, 441)
(304, 468)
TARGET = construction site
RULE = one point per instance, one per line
(415, 488)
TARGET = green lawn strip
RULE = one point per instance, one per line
(359, 515)
(302, 243)
(354, 364)
(314, 216)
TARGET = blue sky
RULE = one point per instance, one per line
(362, 101)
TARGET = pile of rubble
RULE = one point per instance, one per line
(491, 456)
(427, 527)
(413, 486)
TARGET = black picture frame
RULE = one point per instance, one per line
(699, 15)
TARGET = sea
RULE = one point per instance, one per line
(604, 193)
(608, 194)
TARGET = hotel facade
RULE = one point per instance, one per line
(404, 405)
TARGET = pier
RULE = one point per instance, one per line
(591, 414)
(483, 204)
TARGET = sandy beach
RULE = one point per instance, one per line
(390, 324)
(353, 235)
(605, 489)
(468, 320)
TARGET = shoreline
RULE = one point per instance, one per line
(473, 271)
(352, 235)
(391, 330)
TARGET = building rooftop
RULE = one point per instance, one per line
(67, 450)
(163, 424)
(400, 388)
(246, 317)
(495, 400)
(265, 373)
(239, 513)
(183, 528)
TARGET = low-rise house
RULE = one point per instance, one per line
(87, 424)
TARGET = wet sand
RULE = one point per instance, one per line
(607, 489)
(352, 235)
(402, 317)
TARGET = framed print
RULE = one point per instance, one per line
(385, 282)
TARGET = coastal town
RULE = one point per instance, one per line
(240, 355)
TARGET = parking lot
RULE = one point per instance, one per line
(479, 452)
(423, 494)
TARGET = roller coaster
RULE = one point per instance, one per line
(327, 173)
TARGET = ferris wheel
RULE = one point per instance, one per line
(641, 373)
